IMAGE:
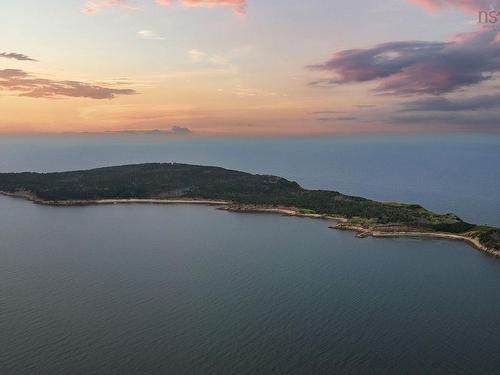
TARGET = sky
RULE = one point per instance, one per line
(249, 67)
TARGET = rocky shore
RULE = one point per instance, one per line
(363, 232)
(387, 231)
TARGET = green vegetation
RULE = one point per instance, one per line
(189, 181)
(488, 236)
(306, 211)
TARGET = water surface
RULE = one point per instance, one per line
(154, 289)
(178, 289)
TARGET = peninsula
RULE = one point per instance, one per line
(243, 192)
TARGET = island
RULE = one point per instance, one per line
(243, 192)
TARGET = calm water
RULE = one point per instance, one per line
(152, 289)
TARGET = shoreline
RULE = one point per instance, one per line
(362, 232)
(285, 211)
(91, 202)
(342, 222)
(366, 232)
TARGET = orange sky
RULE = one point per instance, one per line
(222, 67)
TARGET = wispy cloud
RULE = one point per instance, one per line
(196, 55)
(239, 6)
(440, 104)
(471, 121)
(252, 92)
(149, 34)
(207, 64)
(326, 112)
(16, 56)
(339, 118)
(93, 7)
(28, 85)
(209, 59)
(418, 67)
(468, 6)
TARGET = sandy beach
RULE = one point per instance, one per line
(37, 200)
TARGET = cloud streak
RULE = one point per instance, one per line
(440, 104)
(239, 6)
(485, 121)
(468, 6)
(93, 7)
(150, 35)
(16, 56)
(28, 85)
(339, 118)
(418, 67)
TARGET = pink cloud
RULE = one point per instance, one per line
(468, 6)
(93, 7)
(239, 6)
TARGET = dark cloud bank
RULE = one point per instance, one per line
(28, 85)
(418, 67)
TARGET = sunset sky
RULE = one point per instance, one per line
(248, 67)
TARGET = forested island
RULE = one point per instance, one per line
(243, 192)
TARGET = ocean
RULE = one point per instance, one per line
(180, 289)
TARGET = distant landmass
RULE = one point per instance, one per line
(174, 130)
(243, 192)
